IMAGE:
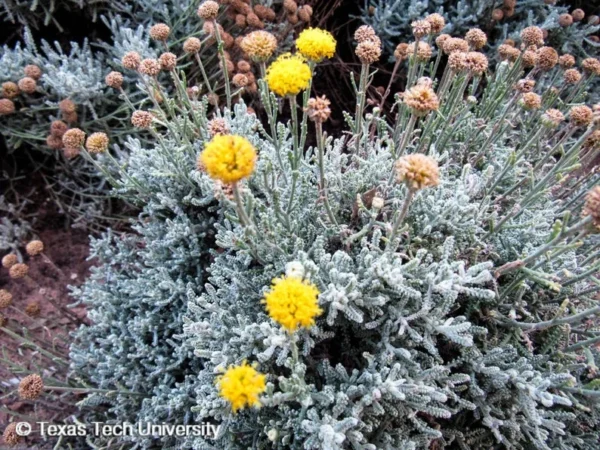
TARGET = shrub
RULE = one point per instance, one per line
(424, 279)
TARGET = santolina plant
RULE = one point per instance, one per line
(423, 279)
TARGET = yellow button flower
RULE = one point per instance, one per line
(228, 158)
(241, 386)
(316, 44)
(292, 302)
(288, 75)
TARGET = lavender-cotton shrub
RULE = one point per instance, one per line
(423, 279)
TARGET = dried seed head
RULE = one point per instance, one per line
(34, 248)
(209, 10)
(318, 109)
(33, 71)
(593, 20)
(417, 171)
(5, 298)
(251, 77)
(525, 85)
(531, 101)
(509, 12)
(566, 61)
(67, 106)
(477, 62)
(71, 153)
(9, 260)
(437, 22)
(547, 58)
(532, 36)
(259, 45)
(593, 140)
(530, 58)
(240, 80)
(142, 119)
(581, 116)
(260, 11)
(591, 66)
(69, 117)
(457, 61)
(167, 61)
(31, 387)
(508, 53)
(10, 89)
(476, 38)
(421, 100)
(424, 51)
(252, 88)
(591, 207)
(240, 20)
(293, 19)
(271, 14)
(192, 45)
(368, 51)
(27, 85)
(578, 15)
(160, 32)
(73, 138)
(97, 143)
(230, 66)
(305, 13)
(6, 107)
(452, 45)
(150, 67)
(213, 99)
(18, 271)
(243, 66)
(253, 21)
(54, 142)
(497, 14)
(33, 309)
(218, 126)
(565, 20)
(439, 41)
(364, 33)
(552, 118)
(572, 76)
(290, 6)
(114, 80)
(131, 60)
(420, 28)
(510, 3)
(401, 51)
(10, 435)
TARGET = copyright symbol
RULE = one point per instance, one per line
(23, 429)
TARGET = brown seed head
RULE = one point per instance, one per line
(508, 53)
(253, 21)
(591, 207)
(552, 118)
(593, 20)
(510, 3)
(572, 76)
(593, 140)
(10, 435)
(73, 138)
(33, 309)
(209, 10)
(18, 271)
(240, 20)
(71, 153)
(420, 28)
(566, 61)
(318, 109)
(54, 142)
(150, 67)
(530, 58)
(290, 6)
(436, 22)
(497, 14)
(114, 80)
(27, 85)
(452, 45)
(259, 45)
(240, 80)
(31, 387)
(565, 20)
(260, 11)
(401, 51)
(417, 171)
(192, 45)
(213, 99)
(292, 18)
(34, 248)
(9, 260)
(525, 85)
(5, 298)
(591, 66)
(305, 13)
(69, 117)
(457, 61)
(547, 58)
(476, 38)
(531, 101)
(6, 107)
(167, 61)
(477, 62)
(33, 71)
(581, 116)
(421, 99)
(10, 89)
(368, 51)
(67, 106)
(578, 15)
(532, 36)
(58, 128)
(243, 66)
(142, 119)
(131, 60)
(160, 32)
(97, 143)
(424, 51)
(364, 33)
(218, 126)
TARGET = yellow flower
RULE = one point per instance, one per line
(241, 386)
(316, 44)
(228, 158)
(288, 75)
(292, 302)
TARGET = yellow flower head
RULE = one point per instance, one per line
(228, 158)
(241, 386)
(292, 302)
(316, 44)
(288, 75)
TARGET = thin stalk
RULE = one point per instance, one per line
(400, 219)
(360, 104)
(322, 185)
